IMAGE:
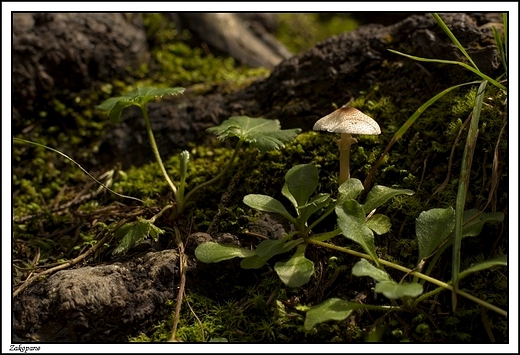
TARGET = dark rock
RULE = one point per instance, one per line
(59, 53)
(97, 304)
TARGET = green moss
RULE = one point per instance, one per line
(301, 31)
(176, 62)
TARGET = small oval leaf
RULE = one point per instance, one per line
(331, 309)
(364, 268)
(267, 204)
(300, 183)
(393, 290)
(351, 221)
(379, 223)
(432, 228)
(211, 252)
(380, 194)
(296, 271)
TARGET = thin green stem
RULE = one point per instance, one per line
(443, 285)
(155, 149)
(219, 176)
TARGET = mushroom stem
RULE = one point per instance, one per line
(344, 156)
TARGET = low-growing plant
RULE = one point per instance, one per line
(358, 223)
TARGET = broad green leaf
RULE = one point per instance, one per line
(211, 252)
(253, 262)
(300, 183)
(296, 271)
(331, 309)
(269, 248)
(314, 205)
(380, 194)
(379, 223)
(474, 222)
(135, 232)
(364, 268)
(432, 228)
(138, 97)
(267, 204)
(484, 265)
(393, 290)
(350, 190)
(351, 221)
(260, 133)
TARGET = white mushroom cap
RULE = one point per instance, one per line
(347, 120)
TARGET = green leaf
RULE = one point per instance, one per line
(350, 190)
(260, 133)
(351, 221)
(331, 309)
(134, 232)
(393, 290)
(269, 248)
(137, 97)
(253, 262)
(313, 206)
(211, 252)
(380, 194)
(474, 221)
(484, 265)
(267, 204)
(379, 223)
(432, 228)
(364, 268)
(468, 67)
(300, 183)
(296, 271)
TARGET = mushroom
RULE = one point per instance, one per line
(347, 121)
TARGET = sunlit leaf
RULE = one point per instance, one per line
(432, 228)
(379, 223)
(364, 268)
(350, 190)
(267, 204)
(296, 271)
(300, 183)
(260, 133)
(137, 97)
(331, 309)
(484, 265)
(135, 232)
(380, 194)
(393, 290)
(211, 252)
(351, 221)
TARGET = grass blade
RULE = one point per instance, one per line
(406, 126)
(444, 61)
(463, 188)
(453, 38)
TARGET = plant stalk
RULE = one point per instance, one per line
(411, 272)
(156, 150)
